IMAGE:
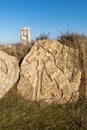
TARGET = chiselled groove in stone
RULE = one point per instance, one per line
(27, 61)
(52, 95)
(1, 64)
(2, 83)
(47, 72)
(5, 66)
(41, 81)
(60, 91)
(36, 87)
(39, 77)
(70, 98)
(52, 56)
(73, 75)
(30, 56)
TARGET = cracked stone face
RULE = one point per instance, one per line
(9, 72)
(50, 73)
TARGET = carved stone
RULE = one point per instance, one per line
(9, 72)
(50, 73)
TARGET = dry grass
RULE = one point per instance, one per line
(43, 36)
(17, 50)
(19, 114)
(79, 42)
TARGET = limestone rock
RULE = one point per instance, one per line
(50, 73)
(9, 72)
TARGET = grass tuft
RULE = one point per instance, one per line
(16, 113)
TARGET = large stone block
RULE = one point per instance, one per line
(50, 73)
(9, 72)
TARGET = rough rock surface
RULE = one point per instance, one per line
(9, 72)
(50, 72)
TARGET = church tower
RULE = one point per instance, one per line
(25, 36)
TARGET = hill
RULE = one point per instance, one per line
(18, 113)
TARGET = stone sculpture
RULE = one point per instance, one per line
(9, 72)
(50, 73)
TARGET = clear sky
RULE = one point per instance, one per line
(42, 16)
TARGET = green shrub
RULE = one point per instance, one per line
(43, 36)
(72, 39)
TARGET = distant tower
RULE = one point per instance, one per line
(25, 36)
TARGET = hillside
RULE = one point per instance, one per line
(18, 113)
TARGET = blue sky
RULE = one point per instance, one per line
(42, 16)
